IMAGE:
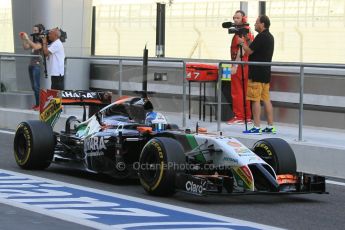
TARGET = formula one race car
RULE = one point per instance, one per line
(127, 138)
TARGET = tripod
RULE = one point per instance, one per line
(243, 89)
(45, 66)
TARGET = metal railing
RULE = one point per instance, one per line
(285, 64)
(121, 59)
(12, 55)
(2, 54)
(220, 63)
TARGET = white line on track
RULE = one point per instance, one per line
(335, 182)
(7, 132)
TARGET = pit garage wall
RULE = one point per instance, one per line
(74, 17)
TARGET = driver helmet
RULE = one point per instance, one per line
(156, 120)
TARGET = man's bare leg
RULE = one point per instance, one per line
(256, 109)
(269, 112)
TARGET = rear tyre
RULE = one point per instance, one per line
(160, 160)
(277, 153)
(34, 145)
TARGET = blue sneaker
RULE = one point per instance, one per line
(253, 130)
(270, 130)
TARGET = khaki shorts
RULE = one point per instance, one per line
(258, 91)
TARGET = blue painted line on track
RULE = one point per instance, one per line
(105, 210)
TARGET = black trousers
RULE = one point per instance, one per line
(58, 82)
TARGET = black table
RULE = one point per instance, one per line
(202, 97)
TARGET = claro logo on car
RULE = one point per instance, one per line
(194, 188)
(94, 145)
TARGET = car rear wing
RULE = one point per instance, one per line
(85, 97)
(51, 102)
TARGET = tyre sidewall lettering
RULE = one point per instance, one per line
(266, 148)
(159, 150)
(157, 146)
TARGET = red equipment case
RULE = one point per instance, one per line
(201, 72)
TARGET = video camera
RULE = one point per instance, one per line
(37, 37)
(241, 30)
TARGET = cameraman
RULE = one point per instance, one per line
(35, 62)
(260, 50)
(55, 55)
(240, 20)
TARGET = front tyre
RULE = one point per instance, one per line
(34, 145)
(160, 160)
(277, 153)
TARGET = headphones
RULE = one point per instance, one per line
(244, 19)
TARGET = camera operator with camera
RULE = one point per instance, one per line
(260, 50)
(239, 77)
(35, 62)
(55, 55)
